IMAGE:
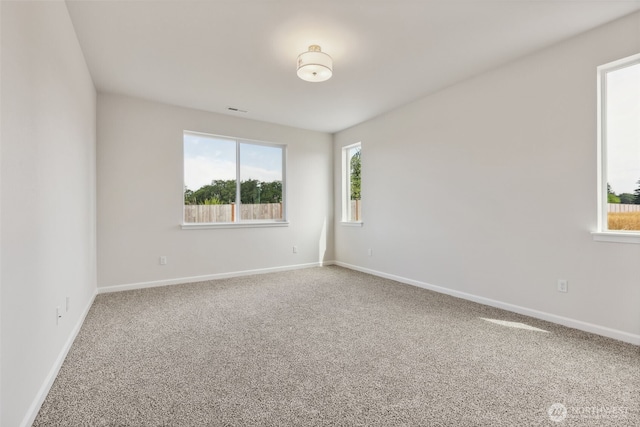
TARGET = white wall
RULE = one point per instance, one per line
(489, 188)
(140, 179)
(48, 199)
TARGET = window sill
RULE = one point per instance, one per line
(351, 223)
(616, 236)
(244, 224)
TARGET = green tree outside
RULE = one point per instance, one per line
(356, 166)
(636, 194)
(223, 192)
(611, 196)
(213, 201)
(626, 198)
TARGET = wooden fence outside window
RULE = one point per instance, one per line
(227, 213)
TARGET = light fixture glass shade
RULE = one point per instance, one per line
(315, 65)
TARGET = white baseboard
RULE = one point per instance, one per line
(565, 321)
(192, 279)
(33, 410)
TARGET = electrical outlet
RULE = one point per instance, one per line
(295, 249)
(563, 285)
(370, 252)
(163, 260)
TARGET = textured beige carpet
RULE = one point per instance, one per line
(330, 346)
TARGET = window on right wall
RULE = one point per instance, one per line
(351, 168)
(619, 147)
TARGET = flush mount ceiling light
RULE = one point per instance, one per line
(315, 65)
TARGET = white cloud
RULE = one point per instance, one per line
(199, 171)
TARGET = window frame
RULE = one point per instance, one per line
(239, 222)
(603, 233)
(346, 185)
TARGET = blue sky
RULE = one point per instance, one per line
(207, 158)
(623, 127)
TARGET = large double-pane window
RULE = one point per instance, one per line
(232, 181)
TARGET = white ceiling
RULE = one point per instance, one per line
(211, 55)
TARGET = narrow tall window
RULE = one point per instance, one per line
(229, 180)
(351, 168)
(619, 145)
